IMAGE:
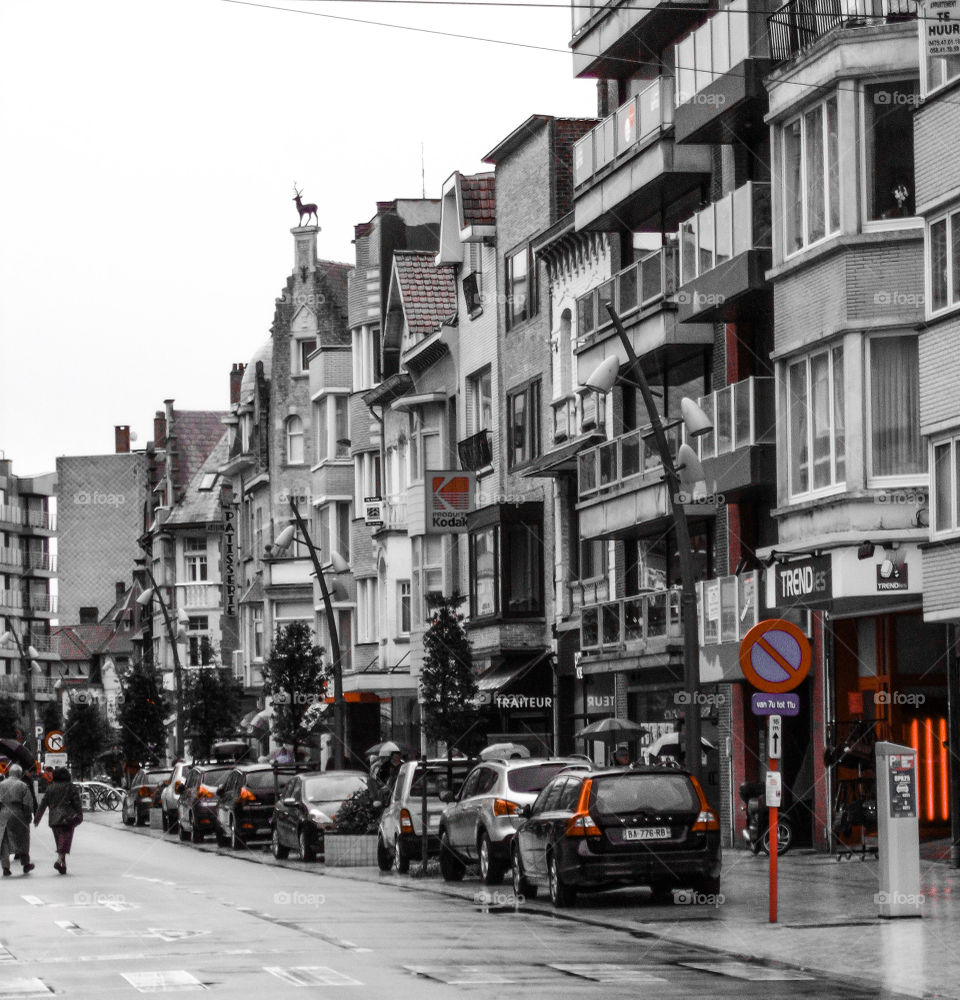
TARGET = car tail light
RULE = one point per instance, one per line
(145, 792)
(406, 822)
(205, 792)
(503, 807)
(707, 819)
(582, 825)
(247, 796)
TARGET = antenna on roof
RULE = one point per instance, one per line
(423, 181)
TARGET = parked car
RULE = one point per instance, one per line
(400, 836)
(479, 824)
(245, 803)
(169, 794)
(197, 802)
(648, 826)
(144, 792)
(308, 808)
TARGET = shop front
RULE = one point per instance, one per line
(518, 696)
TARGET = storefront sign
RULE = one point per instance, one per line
(449, 498)
(522, 701)
(228, 558)
(903, 789)
(373, 512)
(600, 701)
(941, 31)
(806, 582)
(892, 576)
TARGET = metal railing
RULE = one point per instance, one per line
(11, 599)
(11, 556)
(738, 222)
(628, 620)
(641, 118)
(633, 455)
(476, 451)
(735, 411)
(564, 419)
(395, 512)
(14, 684)
(585, 592)
(728, 607)
(42, 560)
(39, 602)
(801, 23)
(638, 285)
(44, 643)
(40, 519)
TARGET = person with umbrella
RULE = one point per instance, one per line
(621, 756)
(17, 803)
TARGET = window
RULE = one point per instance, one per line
(523, 424)
(943, 261)
(341, 541)
(521, 287)
(331, 416)
(322, 428)
(294, 440)
(483, 573)
(471, 294)
(425, 452)
(815, 430)
(811, 176)
(258, 632)
(367, 626)
(199, 652)
(305, 348)
(366, 472)
(480, 397)
(341, 427)
(593, 559)
(938, 70)
(506, 569)
(888, 149)
(366, 357)
(403, 607)
(195, 559)
(895, 446)
(945, 501)
(427, 572)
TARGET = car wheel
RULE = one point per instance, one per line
(222, 839)
(384, 856)
(451, 867)
(307, 852)
(561, 894)
(491, 870)
(784, 838)
(141, 819)
(707, 886)
(196, 834)
(521, 887)
(183, 834)
(123, 816)
(235, 841)
(280, 852)
(400, 861)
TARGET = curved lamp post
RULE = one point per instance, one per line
(27, 666)
(687, 472)
(339, 565)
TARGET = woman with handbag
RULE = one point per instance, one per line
(64, 808)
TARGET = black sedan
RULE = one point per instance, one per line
(308, 808)
(589, 832)
(245, 803)
(144, 792)
(197, 801)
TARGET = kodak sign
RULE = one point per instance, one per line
(449, 498)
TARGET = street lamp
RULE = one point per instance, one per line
(27, 666)
(339, 565)
(687, 472)
(175, 635)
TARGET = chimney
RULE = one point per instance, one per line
(121, 437)
(121, 589)
(305, 246)
(168, 453)
(159, 429)
(236, 377)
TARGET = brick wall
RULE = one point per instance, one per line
(566, 131)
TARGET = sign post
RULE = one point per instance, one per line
(775, 657)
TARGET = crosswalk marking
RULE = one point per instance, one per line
(746, 970)
(609, 972)
(311, 975)
(33, 900)
(163, 982)
(460, 975)
(6, 956)
(25, 988)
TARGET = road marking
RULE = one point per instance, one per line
(311, 975)
(746, 970)
(163, 982)
(609, 972)
(6, 956)
(461, 975)
(34, 900)
(25, 988)
(70, 927)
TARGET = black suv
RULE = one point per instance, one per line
(197, 802)
(245, 803)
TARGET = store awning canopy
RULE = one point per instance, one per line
(497, 678)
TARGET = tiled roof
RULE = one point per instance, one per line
(82, 642)
(197, 433)
(196, 506)
(71, 646)
(479, 199)
(429, 292)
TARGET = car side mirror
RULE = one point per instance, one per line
(446, 796)
(220, 789)
(524, 811)
(178, 787)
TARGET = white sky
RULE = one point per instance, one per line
(147, 157)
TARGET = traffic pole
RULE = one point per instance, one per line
(774, 841)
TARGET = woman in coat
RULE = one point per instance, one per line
(16, 807)
(64, 808)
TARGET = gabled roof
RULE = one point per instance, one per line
(479, 204)
(198, 506)
(197, 433)
(428, 293)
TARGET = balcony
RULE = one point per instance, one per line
(565, 424)
(727, 608)
(40, 520)
(11, 560)
(720, 69)
(628, 167)
(10, 515)
(45, 645)
(199, 595)
(476, 451)
(800, 24)
(39, 603)
(394, 513)
(586, 592)
(41, 562)
(11, 600)
(643, 295)
(739, 454)
(647, 623)
(724, 255)
(13, 684)
(605, 34)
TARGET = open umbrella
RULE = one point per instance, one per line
(668, 745)
(612, 730)
(504, 751)
(18, 752)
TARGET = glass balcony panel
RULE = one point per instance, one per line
(762, 220)
(633, 619)
(720, 40)
(651, 457)
(586, 316)
(724, 421)
(686, 70)
(670, 257)
(742, 418)
(608, 462)
(590, 628)
(630, 452)
(656, 614)
(701, 41)
(742, 219)
(651, 279)
(708, 441)
(626, 125)
(674, 439)
(603, 147)
(607, 292)
(723, 238)
(610, 623)
(706, 234)
(688, 250)
(738, 19)
(587, 471)
(648, 104)
(583, 159)
(627, 290)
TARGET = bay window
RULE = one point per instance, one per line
(943, 261)
(366, 475)
(366, 357)
(815, 425)
(811, 176)
(427, 552)
(331, 417)
(367, 625)
(945, 501)
(894, 412)
(425, 443)
(483, 573)
(506, 563)
(888, 149)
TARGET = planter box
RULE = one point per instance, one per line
(349, 850)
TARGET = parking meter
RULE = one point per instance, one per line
(898, 831)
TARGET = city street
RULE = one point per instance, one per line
(143, 913)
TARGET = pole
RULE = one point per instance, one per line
(424, 817)
(339, 729)
(953, 740)
(772, 835)
(177, 670)
(688, 594)
(26, 668)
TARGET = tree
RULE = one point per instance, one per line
(295, 678)
(143, 735)
(86, 734)
(10, 724)
(212, 707)
(448, 685)
(50, 717)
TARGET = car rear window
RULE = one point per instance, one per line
(632, 793)
(215, 777)
(439, 781)
(154, 777)
(332, 788)
(533, 778)
(257, 780)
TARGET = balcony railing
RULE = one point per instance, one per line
(43, 561)
(734, 413)
(632, 456)
(10, 557)
(801, 23)
(44, 643)
(11, 599)
(10, 513)
(39, 602)
(635, 287)
(728, 607)
(633, 123)
(738, 222)
(616, 624)
(565, 424)
(199, 595)
(476, 451)
(40, 519)
(714, 49)
(395, 512)
(586, 592)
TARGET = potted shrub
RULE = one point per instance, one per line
(353, 843)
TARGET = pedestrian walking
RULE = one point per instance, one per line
(17, 803)
(64, 809)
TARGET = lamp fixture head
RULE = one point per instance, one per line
(603, 377)
(282, 542)
(695, 420)
(689, 466)
(144, 599)
(865, 551)
(339, 564)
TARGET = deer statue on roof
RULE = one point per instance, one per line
(304, 210)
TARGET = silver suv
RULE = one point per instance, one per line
(478, 825)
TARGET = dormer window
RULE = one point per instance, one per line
(305, 348)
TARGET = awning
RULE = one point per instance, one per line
(561, 461)
(500, 677)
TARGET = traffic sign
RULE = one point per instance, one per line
(774, 737)
(55, 760)
(54, 741)
(38, 732)
(775, 656)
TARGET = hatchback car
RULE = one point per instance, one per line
(169, 794)
(604, 830)
(479, 824)
(197, 802)
(400, 837)
(308, 808)
(245, 804)
(144, 792)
